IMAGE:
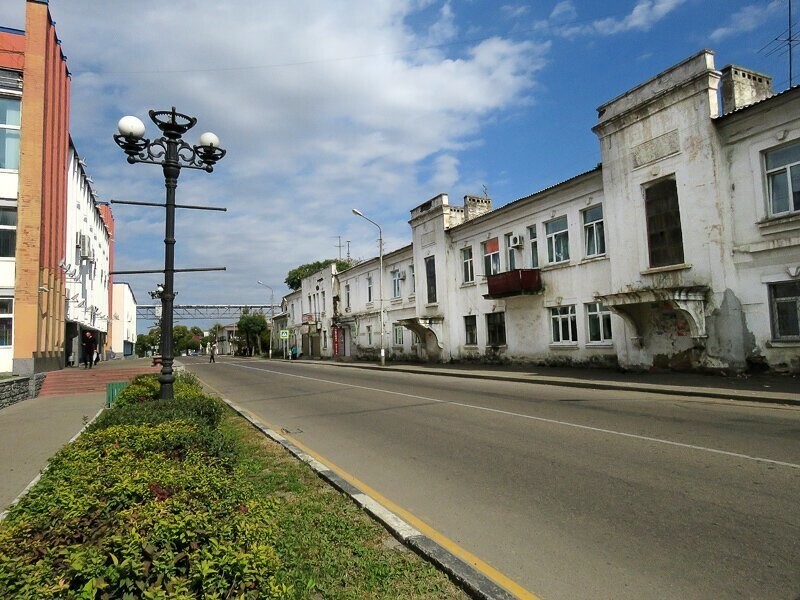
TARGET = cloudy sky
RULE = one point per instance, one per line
(328, 105)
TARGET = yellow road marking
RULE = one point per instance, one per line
(483, 567)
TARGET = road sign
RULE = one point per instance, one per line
(284, 334)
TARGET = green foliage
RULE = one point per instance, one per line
(181, 499)
(294, 278)
(250, 327)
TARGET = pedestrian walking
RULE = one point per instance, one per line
(89, 346)
(212, 353)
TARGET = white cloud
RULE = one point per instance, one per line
(746, 19)
(321, 107)
(642, 17)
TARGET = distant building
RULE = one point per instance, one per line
(123, 331)
(681, 250)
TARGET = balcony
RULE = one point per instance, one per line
(519, 282)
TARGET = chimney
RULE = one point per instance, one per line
(742, 87)
(475, 206)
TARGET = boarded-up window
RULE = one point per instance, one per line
(664, 236)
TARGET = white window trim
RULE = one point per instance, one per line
(467, 265)
(571, 314)
(551, 238)
(590, 229)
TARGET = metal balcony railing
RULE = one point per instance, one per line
(517, 282)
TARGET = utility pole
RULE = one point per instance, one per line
(340, 246)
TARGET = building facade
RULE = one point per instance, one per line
(123, 321)
(40, 309)
(681, 250)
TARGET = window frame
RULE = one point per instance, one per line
(552, 240)
(775, 313)
(491, 256)
(347, 295)
(10, 231)
(470, 330)
(396, 287)
(673, 252)
(430, 279)
(558, 318)
(11, 128)
(369, 289)
(793, 196)
(398, 329)
(369, 335)
(6, 321)
(534, 246)
(599, 312)
(496, 332)
(467, 265)
(511, 253)
(594, 231)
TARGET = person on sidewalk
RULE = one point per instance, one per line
(88, 345)
(212, 352)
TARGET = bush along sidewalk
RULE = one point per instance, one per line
(183, 499)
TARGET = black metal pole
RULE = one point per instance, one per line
(172, 170)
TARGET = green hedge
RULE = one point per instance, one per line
(174, 499)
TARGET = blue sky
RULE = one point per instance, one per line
(373, 104)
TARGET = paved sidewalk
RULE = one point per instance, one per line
(781, 389)
(32, 431)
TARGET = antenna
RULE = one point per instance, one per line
(340, 246)
(348, 250)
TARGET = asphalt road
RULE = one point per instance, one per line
(571, 493)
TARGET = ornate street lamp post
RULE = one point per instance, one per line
(173, 154)
(358, 213)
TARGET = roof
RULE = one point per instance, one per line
(533, 196)
(760, 103)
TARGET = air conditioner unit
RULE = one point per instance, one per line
(515, 241)
(401, 275)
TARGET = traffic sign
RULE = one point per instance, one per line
(284, 334)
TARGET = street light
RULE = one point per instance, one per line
(172, 153)
(271, 313)
(358, 213)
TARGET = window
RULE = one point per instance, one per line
(8, 231)
(369, 335)
(347, 295)
(9, 133)
(466, 260)
(398, 335)
(491, 257)
(6, 320)
(496, 329)
(322, 304)
(324, 339)
(511, 254)
(534, 247)
(664, 236)
(783, 176)
(557, 240)
(784, 299)
(430, 277)
(594, 238)
(471, 330)
(565, 324)
(598, 319)
(369, 288)
(413, 281)
(395, 283)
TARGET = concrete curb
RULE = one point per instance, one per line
(36, 479)
(695, 392)
(475, 583)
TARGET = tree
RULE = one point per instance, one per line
(294, 279)
(250, 328)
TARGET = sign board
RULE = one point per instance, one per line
(284, 334)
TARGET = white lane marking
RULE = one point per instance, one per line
(532, 418)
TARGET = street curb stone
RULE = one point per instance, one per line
(472, 581)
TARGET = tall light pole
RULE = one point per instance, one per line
(358, 213)
(171, 153)
(271, 313)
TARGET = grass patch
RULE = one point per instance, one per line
(184, 499)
